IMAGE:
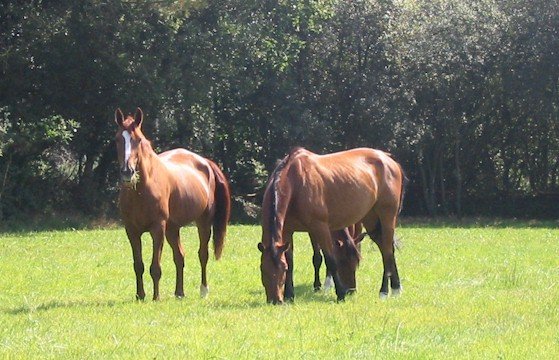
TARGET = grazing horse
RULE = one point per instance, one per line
(160, 194)
(346, 253)
(323, 193)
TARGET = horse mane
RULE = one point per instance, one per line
(274, 184)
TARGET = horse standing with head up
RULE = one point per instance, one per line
(160, 194)
(323, 193)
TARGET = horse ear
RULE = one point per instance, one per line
(359, 238)
(139, 117)
(119, 117)
(261, 247)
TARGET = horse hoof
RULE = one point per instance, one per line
(351, 291)
(179, 297)
(397, 292)
(317, 288)
(328, 283)
(204, 291)
(140, 297)
(383, 295)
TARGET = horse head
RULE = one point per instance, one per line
(348, 257)
(128, 138)
(273, 268)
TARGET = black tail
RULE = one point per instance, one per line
(405, 182)
(222, 196)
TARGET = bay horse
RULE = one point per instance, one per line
(323, 193)
(161, 193)
(347, 253)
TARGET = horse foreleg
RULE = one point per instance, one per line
(204, 232)
(289, 289)
(157, 235)
(321, 235)
(328, 280)
(173, 238)
(136, 244)
(317, 263)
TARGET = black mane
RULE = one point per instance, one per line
(275, 179)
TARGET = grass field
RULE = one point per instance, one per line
(474, 292)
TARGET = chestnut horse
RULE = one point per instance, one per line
(347, 254)
(160, 194)
(323, 193)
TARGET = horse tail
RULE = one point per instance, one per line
(405, 182)
(222, 196)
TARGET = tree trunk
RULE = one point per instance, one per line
(458, 175)
(427, 184)
(440, 159)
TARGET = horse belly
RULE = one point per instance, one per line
(189, 201)
(186, 211)
(350, 206)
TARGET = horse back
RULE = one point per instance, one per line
(191, 183)
(340, 188)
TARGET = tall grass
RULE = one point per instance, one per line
(475, 292)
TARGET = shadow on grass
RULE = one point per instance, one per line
(57, 304)
(304, 294)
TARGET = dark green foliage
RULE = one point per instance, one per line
(465, 94)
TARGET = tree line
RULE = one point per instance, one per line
(464, 94)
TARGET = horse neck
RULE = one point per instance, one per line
(278, 201)
(149, 166)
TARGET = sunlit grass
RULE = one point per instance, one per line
(476, 292)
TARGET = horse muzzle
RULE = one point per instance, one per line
(129, 176)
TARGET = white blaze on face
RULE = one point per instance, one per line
(127, 146)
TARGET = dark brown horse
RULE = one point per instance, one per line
(323, 193)
(347, 254)
(160, 194)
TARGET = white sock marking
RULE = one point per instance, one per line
(328, 283)
(204, 291)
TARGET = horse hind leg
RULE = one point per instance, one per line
(173, 238)
(204, 233)
(386, 246)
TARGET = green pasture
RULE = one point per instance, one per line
(471, 292)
